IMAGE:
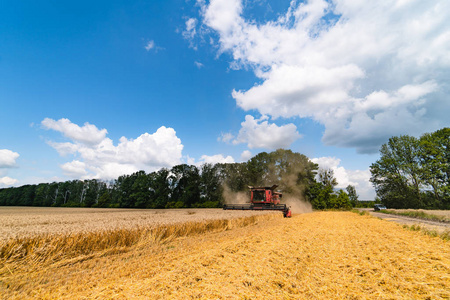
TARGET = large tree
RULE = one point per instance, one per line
(435, 160)
(185, 184)
(352, 195)
(395, 175)
(291, 171)
(410, 170)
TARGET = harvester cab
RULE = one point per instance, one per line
(262, 198)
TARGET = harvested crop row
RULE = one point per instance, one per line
(320, 255)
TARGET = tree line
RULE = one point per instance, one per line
(410, 173)
(189, 186)
(414, 172)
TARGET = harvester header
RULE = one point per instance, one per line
(262, 198)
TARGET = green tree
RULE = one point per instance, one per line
(160, 188)
(41, 195)
(258, 169)
(211, 188)
(104, 200)
(320, 195)
(140, 190)
(352, 195)
(235, 176)
(91, 196)
(435, 160)
(185, 184)
(340, 200)
(396, 175)
(292, 172)
(326, 177)
(123, 188)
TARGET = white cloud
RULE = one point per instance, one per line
(246, 155)
(150, 45)
(8, 158)
(190, 31)
(75, 169)
(365, 70)
(300, 91)
(366, 123)
(7, 161)
(105, 160)
(258, 133)
(7, 181)
(64, 148)
(225, 137)
(364, 187)
(190, 160)
(198, 64)
(340, 173)
(215, 159)
(344, 177)
(224, 16)
(87, 134)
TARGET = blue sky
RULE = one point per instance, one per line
(98, 89)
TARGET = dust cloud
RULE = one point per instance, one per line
(231, 197)
(297, 205)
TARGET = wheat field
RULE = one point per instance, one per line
(30, 221)
(319, 255)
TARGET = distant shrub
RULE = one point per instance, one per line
(207, 204)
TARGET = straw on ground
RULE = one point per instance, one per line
(320, 255)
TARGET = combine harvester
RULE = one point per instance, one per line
(262, 198)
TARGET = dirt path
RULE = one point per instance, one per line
(321, 255)
(428, 224)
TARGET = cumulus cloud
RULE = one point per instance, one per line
(7, 181)
(87, 134)
(258, 133)
(365, 70)
(100, 158)
(75, 169)
(8, 158)
(7, 161)
(344, 177)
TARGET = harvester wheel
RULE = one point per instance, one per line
(287, 214)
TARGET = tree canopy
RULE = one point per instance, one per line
(414, 173)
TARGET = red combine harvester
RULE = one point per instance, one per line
(262, 198)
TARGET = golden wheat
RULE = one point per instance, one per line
(56, 247)
(321, 255)
(19, 222)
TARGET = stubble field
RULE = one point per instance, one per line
(319, 255)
